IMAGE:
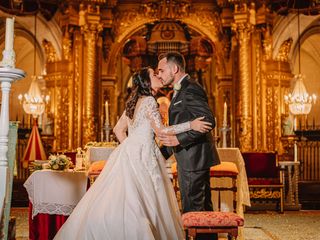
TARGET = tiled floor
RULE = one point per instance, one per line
(302, 225)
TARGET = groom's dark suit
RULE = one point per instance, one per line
(196, 152)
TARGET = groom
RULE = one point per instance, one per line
(195, 152)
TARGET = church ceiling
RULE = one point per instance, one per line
(49, 7)
(27, 7)
(308, 7)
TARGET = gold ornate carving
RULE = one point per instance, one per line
(51, 55)
(277, 119)
(265, 193)
(267, 44)
(167, 9)
(207, 19)
(106, 45)
(283, 54)
(243, 31)
(246, 134)
(125, 19)
(258, 103)
(58, 87)
(66, 46)
(91, 31)
(77, 90)
(276, 86)
(270, 119)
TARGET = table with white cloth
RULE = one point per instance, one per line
(53, 195)
(243, 196)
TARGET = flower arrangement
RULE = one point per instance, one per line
(59, 162)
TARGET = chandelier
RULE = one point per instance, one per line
(299, 101)
(33, 102)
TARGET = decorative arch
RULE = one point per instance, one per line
(132, 29)
(286, 27)
(309, 51)
(24, 27)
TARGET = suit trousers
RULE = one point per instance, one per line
(195, 190)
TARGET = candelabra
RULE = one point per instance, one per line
(225, 127)
(107, 129)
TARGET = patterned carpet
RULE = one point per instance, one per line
(297, 225)
(302, 225)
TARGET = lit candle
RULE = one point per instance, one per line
(107, 113)
(9, 34)
(225, 113)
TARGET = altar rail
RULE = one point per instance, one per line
(309, 157)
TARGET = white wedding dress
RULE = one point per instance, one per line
(133, 198)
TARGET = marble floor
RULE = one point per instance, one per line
(295, 225)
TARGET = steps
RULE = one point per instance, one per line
(309, 195)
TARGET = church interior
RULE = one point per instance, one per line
(71, 74)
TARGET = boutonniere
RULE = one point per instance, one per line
(177, 86)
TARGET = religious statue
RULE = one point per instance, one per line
(287, 125)
(48, 124)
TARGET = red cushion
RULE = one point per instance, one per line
(212, 219)
(96, 167)
(263, 181)
(261, 164)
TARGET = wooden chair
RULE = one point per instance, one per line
(214, 221)
(225, 170)
(94, 170)
(265, 178)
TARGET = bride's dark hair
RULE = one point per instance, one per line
(141, 86)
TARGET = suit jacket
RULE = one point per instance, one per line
(196, 151)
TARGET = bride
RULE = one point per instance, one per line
(133, 197)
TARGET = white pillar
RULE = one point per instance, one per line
(4, 130)
(7, 76)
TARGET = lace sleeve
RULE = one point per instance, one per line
(121, 127)
(154, 116)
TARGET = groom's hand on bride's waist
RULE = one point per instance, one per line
(168, 140)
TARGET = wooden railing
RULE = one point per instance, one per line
(309, 157)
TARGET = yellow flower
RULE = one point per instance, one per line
(55, 167)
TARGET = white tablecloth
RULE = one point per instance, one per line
(243, 196)
(99, 153)
(55, 192)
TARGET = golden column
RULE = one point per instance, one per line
(243, 28)
(91, 30)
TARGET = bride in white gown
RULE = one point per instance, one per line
(133, 197)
